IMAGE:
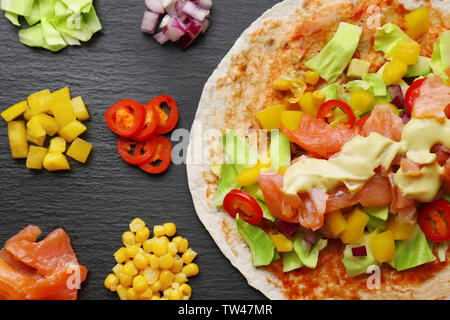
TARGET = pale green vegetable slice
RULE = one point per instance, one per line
(266, 212)
(440, 60)
(442, 251)
(261, 247)
(92, 20)
(61, 9)
(70, 41)
(330, 92)
(381, 212)
(51, 36)
(291, 261)
(13, 18)
(83, 34)
(35, 15)
(358, 265)
(33, 37)
(337, 53)
(19, 7)
(46, 7)
(387, 37)
(421, 68)
(280, 150)
(227, 182)
(377, 84)
(308, 255)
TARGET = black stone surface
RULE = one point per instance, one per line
(95, 202)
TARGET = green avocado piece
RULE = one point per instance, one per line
(308, 256)
(337, 53)
(421, 68)
(330, 92)
(440, 60)
(358, 68)
(291, 261)
(358, 265)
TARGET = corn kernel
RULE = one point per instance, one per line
(308, 105)
(142, 234)
(140, 261)
(180, 278)
(190, 270)
(166, 278)
(188, 256)
(181, 243)
(125, 279)
(160, 246)
(175, 285)
(172, 248)
(132, 251)
(136, 224)
(166, 261)
(153, 260)
(281, 84)
(130, 269)
(360, 101)
(117, 269)
(140, 283)
(146, 295)
(132, 294)
(159, 231)
(407, 51)
(111, 282)
(128, 239)
(175, 294)
(152, 275)
(177, 264)
(121, 255)
(121, 292)
(157, 286)
(186, 290)
(156, 296)
(170, 229)
(312, 77)
(147, 245)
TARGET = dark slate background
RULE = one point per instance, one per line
(95, 202)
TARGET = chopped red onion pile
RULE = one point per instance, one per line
(183, 20)
(360, 251)
(289, 229)
(396, 93)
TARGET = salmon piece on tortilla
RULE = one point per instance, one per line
(433, 101)
(384, 121)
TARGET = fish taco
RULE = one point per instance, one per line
(319, 155)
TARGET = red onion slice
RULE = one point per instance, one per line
(360, 251)
(175, 29)
(289, 229)
(311, 237)
(170, 7)
(195, 11)
(161, 38)
(396, 93)
(155, 6)
(149, 22)
(406, 117)
(165, 21)
(205, 24)
(205, 4)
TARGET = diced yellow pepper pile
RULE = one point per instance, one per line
(152, 268)
(47, 113)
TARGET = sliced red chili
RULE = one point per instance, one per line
(434, 220)
(412, 94)
(125, 118)
(166, 122)
(151, 122)
(163, 155)
(136, 153)
(240, 202)
(361, 122)
(326, 112)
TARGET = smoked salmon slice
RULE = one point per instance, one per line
(433, 101)
(384, 121)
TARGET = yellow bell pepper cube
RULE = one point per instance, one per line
(39, 141)
(418, 22)
(382, 246)
(72, 130)
(36, 157)
(57, 144)
(17, 134)
(79, 150)
(335, 222)
(40, 102)
(80, 109)
(356, 222)
(48, 123)
(270, 118)
(291, 119)
(407, 51)
(400, 231)
(394, 71)
(15, 111)
(35, 128)
(282, 84)
(281, 242)
(55, 161)
(61, 107)
(28, 114)
(249, 176)
(360, 101)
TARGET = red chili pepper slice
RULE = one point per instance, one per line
(125, 118)
(412, 94)
(166, 122)
(434, 220)
(151, 122)
(163, 154)
(326, 111)
(136, 153)
(239, 202)
(361, 122)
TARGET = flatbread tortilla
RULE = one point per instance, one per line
(241, 86)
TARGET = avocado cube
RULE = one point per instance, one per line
(358, 68)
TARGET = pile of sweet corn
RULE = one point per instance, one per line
(152, 268)
(45, 113)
